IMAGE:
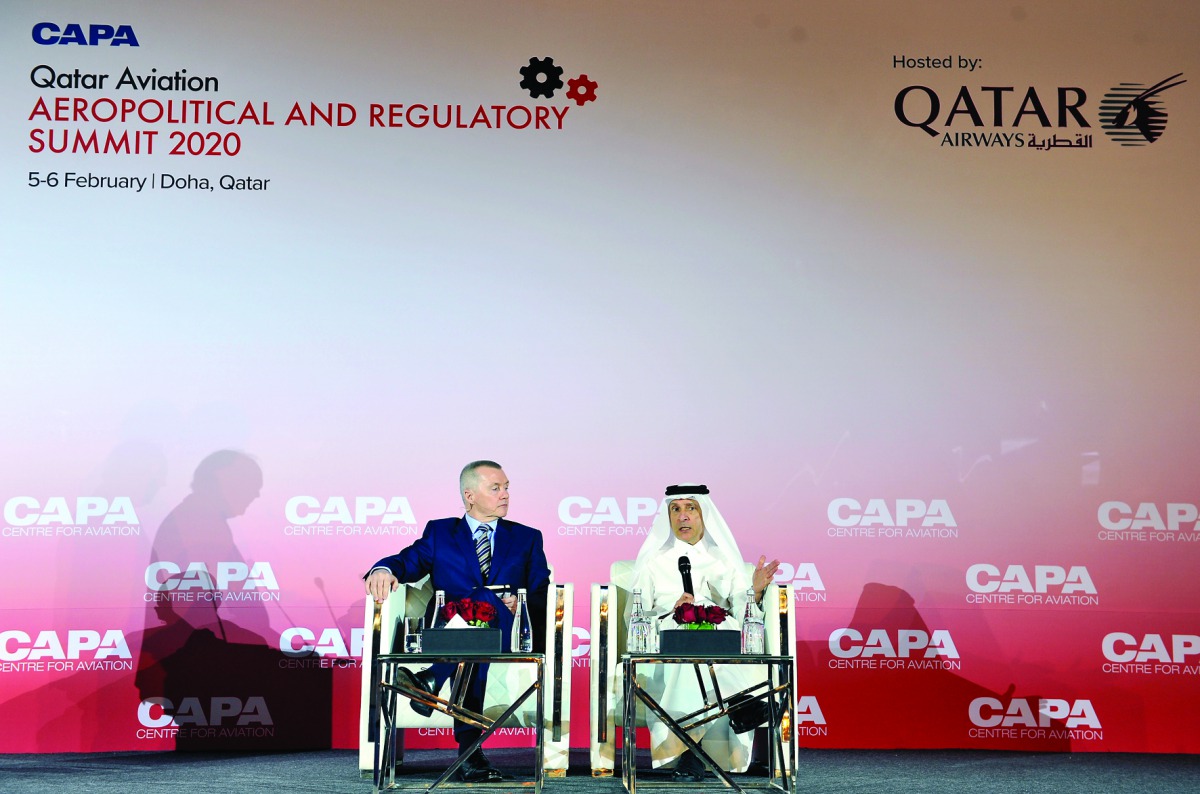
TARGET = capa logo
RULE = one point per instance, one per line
(20, 511)
(579, 510)
(1121, 647)
(846, 512)
(808, 711)
(74, 33)
(803, 576)
(336, 510)
(1033, 713)
(16, 646)
(985, 578)
(581, 642)
(168, 575)
(157, 712)
(301, 641)
(848, 643)
(1119, 515)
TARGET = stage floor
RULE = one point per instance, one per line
(821, 772)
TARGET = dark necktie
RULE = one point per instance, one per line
(483, 549)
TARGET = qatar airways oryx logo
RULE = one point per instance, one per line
(226, 581)
(900, 518)
(606, 515)
(896, 649)
(1134, 114)
(1048, 584)
(1034, 718)
(1149, 522)
(63, 651)
(61, 516)
(309, 516)
(1151, 654)
(804, 580)
(204, 718)
(305, 647)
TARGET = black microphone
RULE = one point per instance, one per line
(685, 570)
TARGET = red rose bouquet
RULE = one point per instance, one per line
(476, 613)
(699, 616)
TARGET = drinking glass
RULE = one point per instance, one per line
(412, 634)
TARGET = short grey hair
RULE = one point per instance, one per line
(469, 478)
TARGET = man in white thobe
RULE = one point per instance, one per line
(689, 524)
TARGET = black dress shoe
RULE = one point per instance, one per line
(423, 681)
(477, 769)
(690, 769)
(747, 713)
(758, 769)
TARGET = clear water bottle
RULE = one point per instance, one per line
(522, 627)
(754, 633)
(439, 610)
(639, 627)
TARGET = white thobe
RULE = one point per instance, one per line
(716, 581)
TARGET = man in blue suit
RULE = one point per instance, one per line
(463, 556)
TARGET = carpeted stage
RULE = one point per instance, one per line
(821, 772)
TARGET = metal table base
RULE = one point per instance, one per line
(781, 763)
(390, 690)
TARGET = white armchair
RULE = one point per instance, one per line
(382, 634)
(608, 634)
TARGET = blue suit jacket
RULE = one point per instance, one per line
(446, 550)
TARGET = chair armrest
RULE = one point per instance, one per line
(379, 623)
(779, 619)
(559, 631)
(604, 624)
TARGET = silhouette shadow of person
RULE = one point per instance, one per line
(210, 669)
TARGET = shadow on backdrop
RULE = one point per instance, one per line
(930, 691)
(210, 663)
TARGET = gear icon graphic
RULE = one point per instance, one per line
(582, 90)
(541, 77)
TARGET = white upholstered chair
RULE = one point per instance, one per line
(382, 634)
(608, 633)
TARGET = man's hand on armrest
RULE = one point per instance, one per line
(380, 583)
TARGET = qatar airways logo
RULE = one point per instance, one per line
(48, 33)
(60, 516)
(62, 651)
(310, 516)
(1034, 719)
(901, 518)
(898, 649)
(804, 580)
(204, 718)
(1048, 584)
(328, 645)
(606, 515)
(1151, 654)
(1131, 113)
(1148, 521)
